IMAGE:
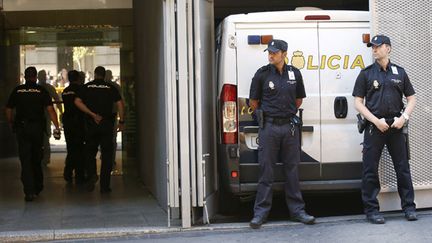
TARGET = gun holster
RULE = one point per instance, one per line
(361, 123)
(296, 121)
(260, 117)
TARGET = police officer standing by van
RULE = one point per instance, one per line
(378, 93)
(276, 93)
(30, 101)
(96, 100)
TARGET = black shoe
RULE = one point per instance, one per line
(256, 222)
(29, 197)
(105, 190)
(90, 186)
(93, 179)
(411, 215)
(38, 192)
(304, 218)
(67, 176)
(376, 218)
(79, 181)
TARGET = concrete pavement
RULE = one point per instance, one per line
(329, 229)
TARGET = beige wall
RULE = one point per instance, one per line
(32, 5)
(150, 96)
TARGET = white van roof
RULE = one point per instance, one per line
(299, 16)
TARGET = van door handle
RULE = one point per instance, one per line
(307, 128)
(340, 107)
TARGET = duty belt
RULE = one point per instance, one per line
(389, 119)
(279, 120)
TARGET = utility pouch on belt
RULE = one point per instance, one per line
(361, 123)
(295, 120)
(260, 117)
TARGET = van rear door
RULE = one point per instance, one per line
(343, 55)
(303, 53)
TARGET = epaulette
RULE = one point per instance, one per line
(291, 67)
(397, 66)
(263, 68)
(370, 66)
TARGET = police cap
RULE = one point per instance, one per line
(277, 45)
(379, 40)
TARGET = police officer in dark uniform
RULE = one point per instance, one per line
(30, 100)
(378, 93)
(73, 124)
(276, 93)
(96, 100)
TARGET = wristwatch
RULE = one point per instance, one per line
(405, 115)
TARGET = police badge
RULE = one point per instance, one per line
(376, 84)
(271, 85)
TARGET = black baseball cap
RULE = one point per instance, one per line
(379, 40)
(277, 45)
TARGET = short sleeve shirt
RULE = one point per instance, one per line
(69, 94)
(383, 89)
(30, 101)
(99, 96)
(277, 92)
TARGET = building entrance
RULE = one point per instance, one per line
(58, 47)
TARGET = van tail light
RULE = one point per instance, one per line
(366, 38)
(229, 114)
(317, 17)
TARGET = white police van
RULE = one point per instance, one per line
(329, 49)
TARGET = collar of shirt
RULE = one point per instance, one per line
(274, 69)
(377, 66)
(31, 83)
(99, 80)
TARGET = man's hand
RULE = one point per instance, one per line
(120, 127)
(56, 134)
(382, 125)
(398, 122)
(97, 118)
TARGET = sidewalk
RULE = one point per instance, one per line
(327, 229)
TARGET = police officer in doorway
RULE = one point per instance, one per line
(30, 101)
(109, 79)
(96, 100)
(42, 78)
(378, 93)
(276, 93)
(73, 124)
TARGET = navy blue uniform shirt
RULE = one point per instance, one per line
(69, 94)
(277, 92)
(30, 101)
(99, 96)
(383, 90)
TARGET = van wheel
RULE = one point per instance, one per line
(228, 204)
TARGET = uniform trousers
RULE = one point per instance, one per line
(74, 135)
(374, 141)
(278, 143)
(102, 135)
(46, 156)
(30, 149)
